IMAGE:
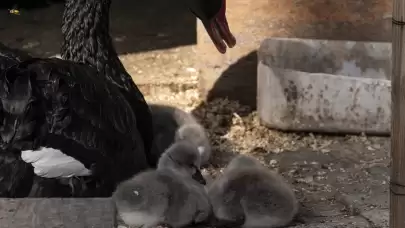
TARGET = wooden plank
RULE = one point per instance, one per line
(397, 182)
(57, 213)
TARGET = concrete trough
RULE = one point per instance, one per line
(325, 86)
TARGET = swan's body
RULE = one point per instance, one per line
(73, 128)
(168, 195)
(59, 114)
(66, 110)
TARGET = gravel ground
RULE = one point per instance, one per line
(341, 181)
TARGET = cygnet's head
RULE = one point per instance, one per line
(183, 157)
(243, 161)
(196, 134)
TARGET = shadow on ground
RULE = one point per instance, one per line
(237, 83)
(136, 26)
(313, 20)
(230, 87)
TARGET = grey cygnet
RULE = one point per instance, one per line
(172, 124)
(251, 196)
(172, 195)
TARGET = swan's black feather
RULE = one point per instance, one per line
(93, 46)
(74, 109)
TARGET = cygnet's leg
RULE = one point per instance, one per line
(77, 185)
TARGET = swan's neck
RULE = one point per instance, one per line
(86, 39)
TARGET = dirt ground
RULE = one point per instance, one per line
(341, 181)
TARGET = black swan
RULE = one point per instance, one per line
(172, 195)
(81, 129)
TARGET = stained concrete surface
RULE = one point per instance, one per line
(325, 86)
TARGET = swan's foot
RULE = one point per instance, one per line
(77, 185)
(72, 186)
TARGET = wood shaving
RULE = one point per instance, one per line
(233, 128)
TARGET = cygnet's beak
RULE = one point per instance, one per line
(197, 176)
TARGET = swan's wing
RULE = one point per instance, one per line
(87, 120)
(100, 116)
(89, 94)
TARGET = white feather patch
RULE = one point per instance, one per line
(52, 163)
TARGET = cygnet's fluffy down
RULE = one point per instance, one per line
(251, 196)
(172, 124)
(169, 195)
